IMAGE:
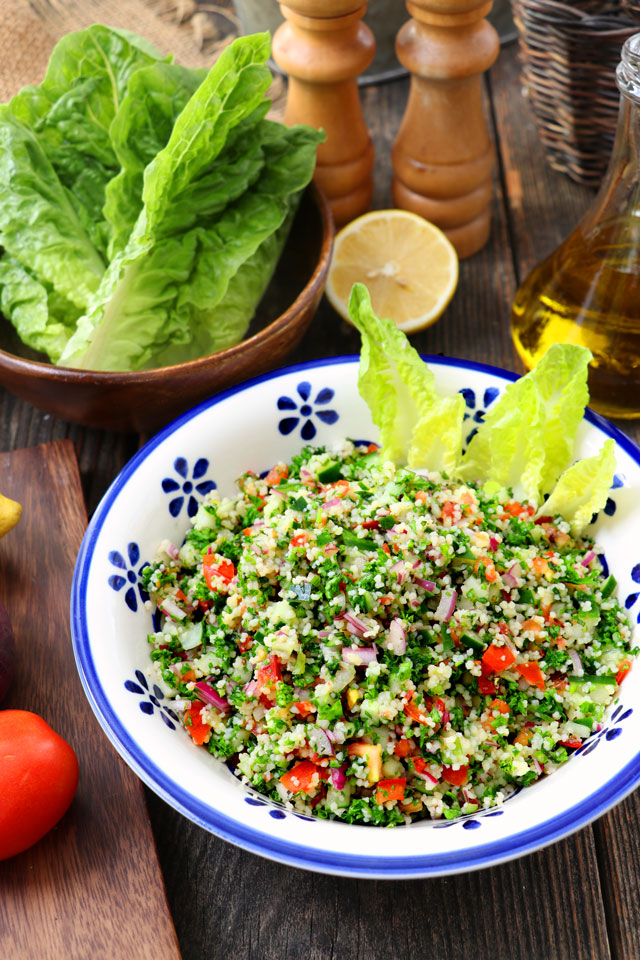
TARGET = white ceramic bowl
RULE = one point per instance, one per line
(253, 426)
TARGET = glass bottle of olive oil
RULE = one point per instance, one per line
(588, 291)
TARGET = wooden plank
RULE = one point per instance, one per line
(537, 907)
(92, 887)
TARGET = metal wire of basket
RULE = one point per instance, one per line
(569, 54)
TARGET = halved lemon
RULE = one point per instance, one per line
(407, 263)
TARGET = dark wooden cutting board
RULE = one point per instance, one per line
(92, 888)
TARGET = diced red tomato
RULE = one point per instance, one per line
(305, 707)
(486, 686)
(245, 643)
(276, 474)
(371, 524)
(385, 548)
(457, 778)
(500, 706)
(531, 673)
(404, 747)
(304, 777)
(498, 658)
(389, 791)
(200, 732)
(540, 567)
(490, 573)
(625, 667)
(449, 510)
(532, 625)
(300, 539)
(419, 764)
(421, 496)
(373, 448)
(268, 677)
(419, 714)
(214, 566)
(572, 743)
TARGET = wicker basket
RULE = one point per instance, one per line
(570, 53)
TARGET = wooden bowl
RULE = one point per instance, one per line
(148, 399)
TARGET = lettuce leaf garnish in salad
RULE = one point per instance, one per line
(416, 425)
(527, 437)
(163, 195)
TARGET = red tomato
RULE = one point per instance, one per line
(498, 658)
(213, 565)
(531, 673)
(38, 780)
(457, 778)
(388, 791)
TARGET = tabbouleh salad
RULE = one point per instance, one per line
(374, 644)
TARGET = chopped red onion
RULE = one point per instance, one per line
(330, 549)
(338, 777)
(509, 644)
(425, 775)
(207, 693)
(320, 741)
(447, 605)
(360, 655)
(323, 634)
(588, 558)
(537, 766)
(399, 569)
(576, 662)
(515, 570)
(171, 609)
(445, 717)
(397, 637)
(355, 625)
(493, 544)
(250, 688)
(428, 585)
(331, 503)
(172, 550)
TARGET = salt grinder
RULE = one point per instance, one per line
(443, 156)
(323, 46)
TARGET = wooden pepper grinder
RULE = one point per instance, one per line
(323, 46)
(443, 156)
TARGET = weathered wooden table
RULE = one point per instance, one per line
(577, 899)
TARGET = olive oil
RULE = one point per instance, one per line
(588, 293)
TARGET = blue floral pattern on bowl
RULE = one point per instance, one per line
(610, 730)
(305, 411)
(474, 413)
(151, 699)
(186, 486)
(128, 574)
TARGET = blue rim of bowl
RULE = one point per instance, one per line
(260, 842)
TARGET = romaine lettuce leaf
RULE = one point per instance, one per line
(43, 320)
(39, 226)
(72, 109)
(582, 489)
(417, 426)
(158, 301)
(527, 437)
(141, 127)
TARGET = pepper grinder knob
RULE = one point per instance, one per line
(323, 46)
(443, 156)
